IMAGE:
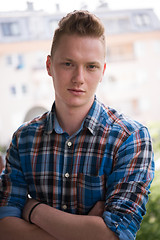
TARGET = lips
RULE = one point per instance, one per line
(76, 91)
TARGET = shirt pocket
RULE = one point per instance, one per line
(90, 189)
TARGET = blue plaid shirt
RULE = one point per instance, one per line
(110, 159)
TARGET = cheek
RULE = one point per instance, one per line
(94, 80)
(58, 81)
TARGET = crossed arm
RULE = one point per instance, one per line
(53, 224)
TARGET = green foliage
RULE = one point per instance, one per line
(150, 227)
(3, 149)
(154, 129)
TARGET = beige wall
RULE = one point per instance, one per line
(39, 89)
(132, 82)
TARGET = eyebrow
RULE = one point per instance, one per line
(72, 60)
(68, 59)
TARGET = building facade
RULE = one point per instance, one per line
(131, 82)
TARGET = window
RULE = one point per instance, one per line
(10, 29)
(9, 60)
(20, 62)
(24, 89)
(142, 20)
(15, 61)
(13, 90)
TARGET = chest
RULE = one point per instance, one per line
(69, 174)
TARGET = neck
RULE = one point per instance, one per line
(70, 119)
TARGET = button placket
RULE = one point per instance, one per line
(66, 174)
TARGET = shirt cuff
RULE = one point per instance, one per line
(9, 211)
(125, 227)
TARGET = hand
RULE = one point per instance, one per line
(98, 209)
(27, 208)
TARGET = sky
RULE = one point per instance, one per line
(70, 5)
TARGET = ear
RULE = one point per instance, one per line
(104, 68)
(48, 65)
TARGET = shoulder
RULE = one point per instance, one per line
(31, 128)
(125, 135)
(119, 123)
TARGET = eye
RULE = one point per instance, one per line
(67, 64)
(92, 67)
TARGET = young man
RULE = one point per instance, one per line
(86, 168)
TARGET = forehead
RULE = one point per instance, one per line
(77, 46)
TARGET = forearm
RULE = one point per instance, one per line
(17, 229)
(65, 226)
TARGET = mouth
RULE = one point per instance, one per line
(76, 91)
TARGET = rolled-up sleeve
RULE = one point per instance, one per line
(9, 211)
(13, 188)
(128, 185)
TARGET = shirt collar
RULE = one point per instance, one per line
(91, 121)
(50, 121)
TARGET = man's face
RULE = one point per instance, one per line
(77, 67)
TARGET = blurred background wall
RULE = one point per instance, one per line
(132, 80)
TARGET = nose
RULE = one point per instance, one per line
(78, 76)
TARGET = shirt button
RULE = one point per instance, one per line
(66, 175)
(64, 207)
(69, 144)
(116, 224)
